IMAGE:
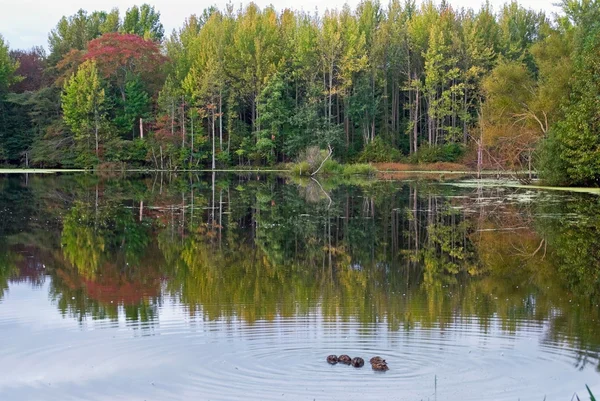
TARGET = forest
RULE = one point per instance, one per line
(511, 88)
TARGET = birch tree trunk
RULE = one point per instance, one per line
(96, 128)
(213, 139)
(416, 122)
(221, 120)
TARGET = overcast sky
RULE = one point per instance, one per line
(26, 23)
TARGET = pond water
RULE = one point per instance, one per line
(220, 287)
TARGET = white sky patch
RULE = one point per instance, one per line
(26, 23)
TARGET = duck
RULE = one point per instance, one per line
(332, 359)
(381, 366)
(345, 359)
(358, 362)
(377, 359)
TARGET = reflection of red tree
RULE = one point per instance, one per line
(121, 290)
(113, 284)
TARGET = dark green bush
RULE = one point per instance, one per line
(379, 151)
(451, 152)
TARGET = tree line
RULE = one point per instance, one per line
(510, 88)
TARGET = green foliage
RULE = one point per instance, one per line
(14, 122)
(76, 31)
(274, 110)
(143, 21)
(301, 168)
(83, 103)
(378, 151)
(519, 29)
(85, 159)
(8, 67)
(331, 167)
(136, 106)
(444, 153)
(551, 167)
(577, 135)
(132, 152)
(359, 169)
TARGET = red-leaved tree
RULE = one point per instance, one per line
(119, 55)
(31, 68)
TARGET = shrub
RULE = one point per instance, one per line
(301, 168)
(379, 151)
(331, 167)
(552, 168)
(133, 152)
(86, 160)
(451, 152)
(359, 169)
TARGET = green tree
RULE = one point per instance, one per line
(83, 103)
(8, 67)
(274, 112)
(10, 118)
(571, 154)
(74, 32)
(135, 108)
(143, 21)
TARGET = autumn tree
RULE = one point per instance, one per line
(74, 32)
(31, 63)
(119, 56)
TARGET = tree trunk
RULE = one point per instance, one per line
(192, 141)
(213, 139)
(465, 111)
(430, 122)
(172, 116)
(480, 145)
(347, 124)
(411, 117)
(386, 118)
(253, 122)
(182, 123)
(330, 91)
(416, 123)
(96, 129)
(220, 121)
(162, 166)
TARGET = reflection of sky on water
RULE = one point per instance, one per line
(177, 356)
(467, 293)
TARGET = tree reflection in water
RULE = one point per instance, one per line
(256, 248)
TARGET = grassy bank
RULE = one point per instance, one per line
(331, 168)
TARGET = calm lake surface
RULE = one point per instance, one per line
(190, 287)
